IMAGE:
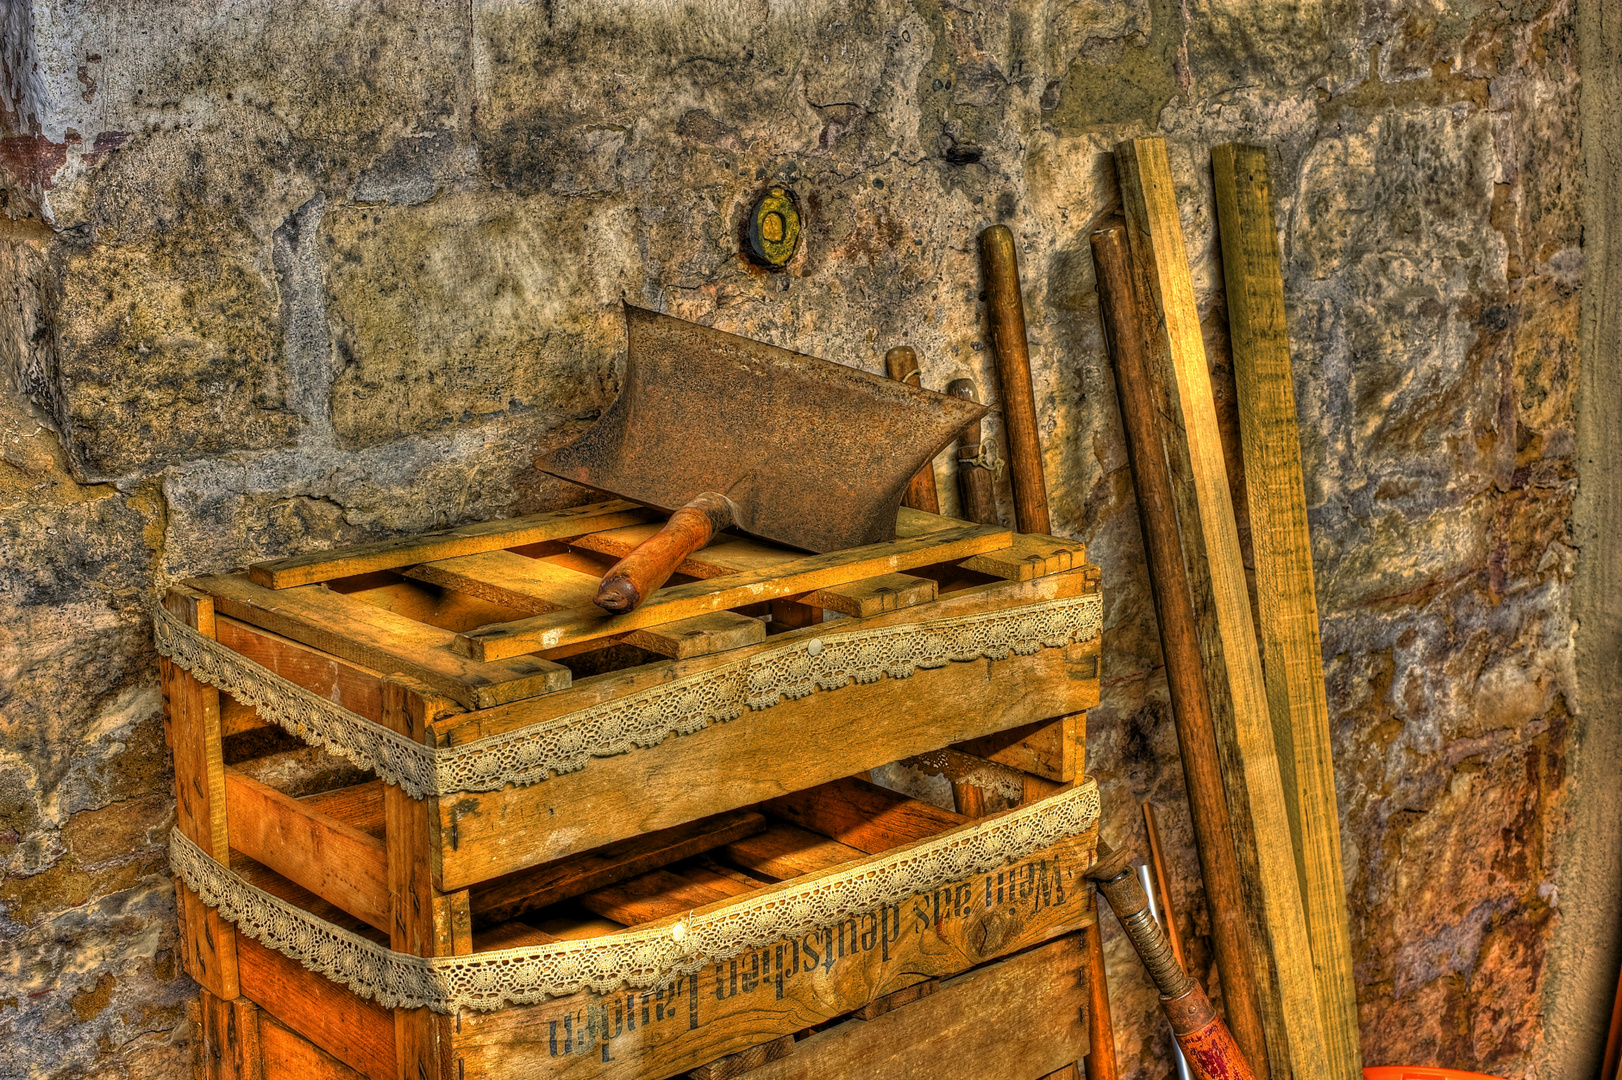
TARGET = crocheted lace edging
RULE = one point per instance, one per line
(639, 959)
(531, 754)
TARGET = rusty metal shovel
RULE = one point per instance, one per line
(721, 431)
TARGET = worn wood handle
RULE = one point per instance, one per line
(634, 578)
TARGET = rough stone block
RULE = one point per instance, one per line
(163, 357)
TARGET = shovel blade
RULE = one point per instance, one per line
(814, 454)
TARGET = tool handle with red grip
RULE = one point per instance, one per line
(1206, 1041)
(634, 578)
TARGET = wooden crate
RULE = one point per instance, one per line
(1020, 1018)
(488, 631)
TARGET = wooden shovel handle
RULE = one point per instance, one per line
(634, 578)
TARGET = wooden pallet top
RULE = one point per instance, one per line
(490, 613)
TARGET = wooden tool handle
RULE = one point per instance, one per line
(902, 365)
(634, 578)
(1206, 1041)
(1006, 309)
(974, 477)
(1130, 338)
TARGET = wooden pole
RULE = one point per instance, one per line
(1157, 865)
(1286, 595)
(1006, 309)
(974, 480)
(1134, 349)
(1099, 1064)
(1227, 633)
(902, 364)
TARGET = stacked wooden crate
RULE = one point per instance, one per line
(485, 636)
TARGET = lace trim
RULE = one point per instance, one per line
(640, 959)
(531, 754)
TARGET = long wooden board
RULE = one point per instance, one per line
(788, 579)
(1227, 639)
(382, 640)
(789, 985)
(463, 540)
(1013, 1019)
(1286, 595)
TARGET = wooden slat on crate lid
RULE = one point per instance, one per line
(699, 636)
(696, 598)
(1030, 556)
(725, 555)
(873, 596)
(463, 540)
(535, 586)
(382, 640)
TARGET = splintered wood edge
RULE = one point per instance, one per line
(427, 547)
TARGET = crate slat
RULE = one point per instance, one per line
(1046, 748)
(696, 598)
(382, 640)
(356, 688)
(726, 555)
(1016, 1019)
(194, 731)
(337, 862)
(535, 586)
(357, 1032)
(498, 832)
(1030, 556)
(507, 898)
(650, 897)
(463, 540)
(797, 983)
(289, 1056)
(702, 635)
(874, 596)
(863, 815)
(788, 851)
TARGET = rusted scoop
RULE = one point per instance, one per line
(722, 431)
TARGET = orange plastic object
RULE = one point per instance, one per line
(1421, 1072)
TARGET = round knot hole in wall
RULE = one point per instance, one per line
(774, 228)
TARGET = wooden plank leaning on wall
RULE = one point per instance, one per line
(1232, 664)
(1286, 595)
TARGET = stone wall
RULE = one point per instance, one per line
(283, 276)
